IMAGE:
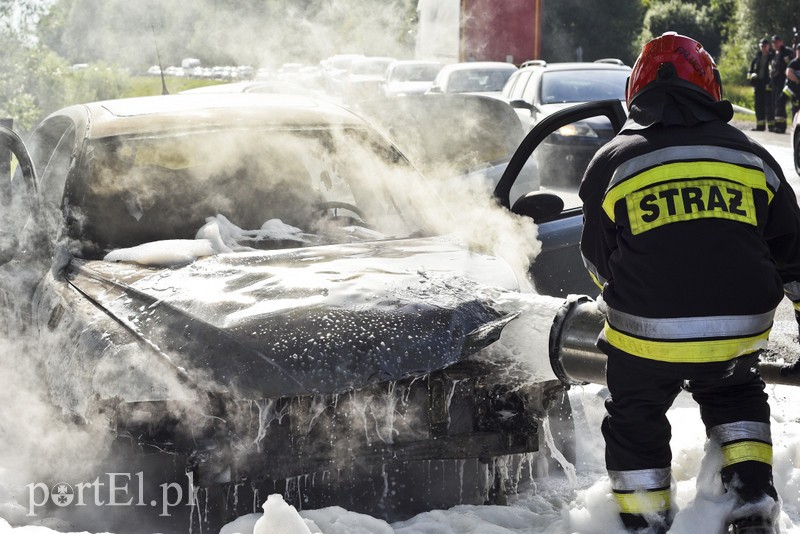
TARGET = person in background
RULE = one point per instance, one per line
(693, 234)
(792, 88)
(777, 73)
(759, 79)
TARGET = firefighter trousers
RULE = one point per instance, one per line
(764, 106)
(637, 433)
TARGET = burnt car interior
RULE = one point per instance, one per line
(138, 190)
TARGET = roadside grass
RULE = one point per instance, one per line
(151, 85)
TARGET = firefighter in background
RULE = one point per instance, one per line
(759, 79)
(777, 72)
(693, 234)
(792, 88)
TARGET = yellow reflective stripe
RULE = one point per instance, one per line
(717, 350)
(642, 502)
(752, 178)
(744, 451)
(796, 305)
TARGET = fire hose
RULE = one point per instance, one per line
(576, 360)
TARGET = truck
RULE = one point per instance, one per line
(479, 30)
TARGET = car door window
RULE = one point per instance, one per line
(519, 87)
(51, 147)
(529, 93)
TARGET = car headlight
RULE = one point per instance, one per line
(576, 129)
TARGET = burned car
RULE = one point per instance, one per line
(243, 288)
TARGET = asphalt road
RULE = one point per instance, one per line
(780, 146)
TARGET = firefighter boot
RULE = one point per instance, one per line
(753, 525)
(656, 523)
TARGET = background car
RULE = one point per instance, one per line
(558, 269)
(455, 139)
(365, 78)
(243, 287)
(334, 71)
(410, 77)
(541, 89)
(484, 77)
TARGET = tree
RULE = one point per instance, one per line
(686, 19)
(253, 32)
(604, 28)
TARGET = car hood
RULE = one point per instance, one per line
(408, 87)
(548, 109)
(305, 321)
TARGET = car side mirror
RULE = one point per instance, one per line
(538, 206)
(520, 104)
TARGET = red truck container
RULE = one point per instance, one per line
(479, 30)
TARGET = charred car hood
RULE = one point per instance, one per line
(304, 321)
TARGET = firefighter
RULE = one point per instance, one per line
(693, 234)
(792, 88)
(759, 79)
(777, 74)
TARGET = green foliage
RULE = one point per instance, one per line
(151, 85)
(734, 63)
(249, 32)
(32, 83)
(759, 18)
(38, 80)
(739, 95)
(687, 19)
(603, 28)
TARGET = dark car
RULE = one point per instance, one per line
(541, 89)
(241, 287)
(558, 270)
(454, 139)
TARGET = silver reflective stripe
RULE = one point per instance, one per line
(741, 430)
(792, 290)
(593, 270)
(690, 327)
(641, 479)
(699, 152)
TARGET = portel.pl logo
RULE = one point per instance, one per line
(114, 489)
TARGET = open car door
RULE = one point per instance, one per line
(558, 270)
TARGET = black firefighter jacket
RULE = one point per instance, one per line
(694, 235)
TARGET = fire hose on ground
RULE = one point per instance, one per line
(576, 360)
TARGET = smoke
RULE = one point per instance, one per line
(145, 189)
(39, 443)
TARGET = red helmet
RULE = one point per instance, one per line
(674, 59)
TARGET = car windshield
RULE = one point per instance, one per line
(415, 73)
(583, 85)
(284, 187)
(478, 80)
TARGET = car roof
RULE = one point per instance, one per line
(576, 65)
(416, 62)
(187, 112)
(479, 65)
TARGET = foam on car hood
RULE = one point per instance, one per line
(312, 320)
